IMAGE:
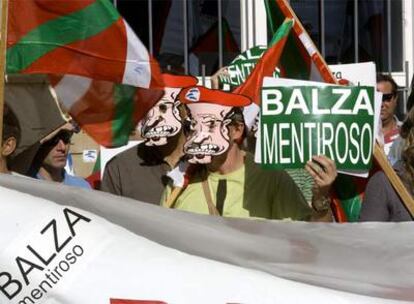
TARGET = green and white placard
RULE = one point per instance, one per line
(241, 66)
(298, 122)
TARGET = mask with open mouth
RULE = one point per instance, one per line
(210, 135)
(211, 112)
(164, 121)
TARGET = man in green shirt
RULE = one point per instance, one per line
(230, 183)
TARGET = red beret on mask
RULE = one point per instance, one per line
(178, 81)
(199, 94)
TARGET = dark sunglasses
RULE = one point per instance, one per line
(387, 97)
(63, 135)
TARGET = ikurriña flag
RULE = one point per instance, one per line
(109, 79)
(107, 111)
(301, 59)
(267, 64)
(84, 37)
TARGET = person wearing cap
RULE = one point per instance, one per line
(51, 158)
(227, 181)
(141, 171)
(10, 138)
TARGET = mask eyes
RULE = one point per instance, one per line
(163, 108)
(188, 127)
(211, 125)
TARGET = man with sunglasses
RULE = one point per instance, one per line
(52, 156)
(390, 123)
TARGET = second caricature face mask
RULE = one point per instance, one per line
(210, 134)
(211, 113)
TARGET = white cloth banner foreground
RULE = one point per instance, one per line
(65, 245)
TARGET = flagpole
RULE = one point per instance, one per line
(3, 46)
(379, 155)
(308, 43)
(395, 181)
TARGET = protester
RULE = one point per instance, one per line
(229, 182)
(399, 143)
(50, 160)
(382, 202)
(140, 172)
(301, 177)
(390, 123)
(10, 138)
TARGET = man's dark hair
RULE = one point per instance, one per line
(11, 126)
(237, 117)
(388, 78)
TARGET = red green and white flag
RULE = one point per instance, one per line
(110, 80)
(83, 37)
(265, 67)
(301, 59)
(107, 111)
(267, 64)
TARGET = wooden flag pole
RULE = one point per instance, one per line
(307, 42)
(3, 46)
(395, 181)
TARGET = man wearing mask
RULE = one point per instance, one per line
(228, 182)
(140, 172)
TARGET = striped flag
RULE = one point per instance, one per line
(107, 111)
(266, 65)
(301, 59)
(116, 79)
(84, 37)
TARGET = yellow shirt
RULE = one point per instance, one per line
(251, 192)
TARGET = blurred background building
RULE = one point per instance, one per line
(199, 36)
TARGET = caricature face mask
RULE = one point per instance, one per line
(210, 134)
(163, 120)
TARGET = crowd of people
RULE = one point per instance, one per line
(194, 157)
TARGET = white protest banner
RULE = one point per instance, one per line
(54, 251)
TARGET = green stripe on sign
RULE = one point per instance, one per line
(56, 33)
(122, 123)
